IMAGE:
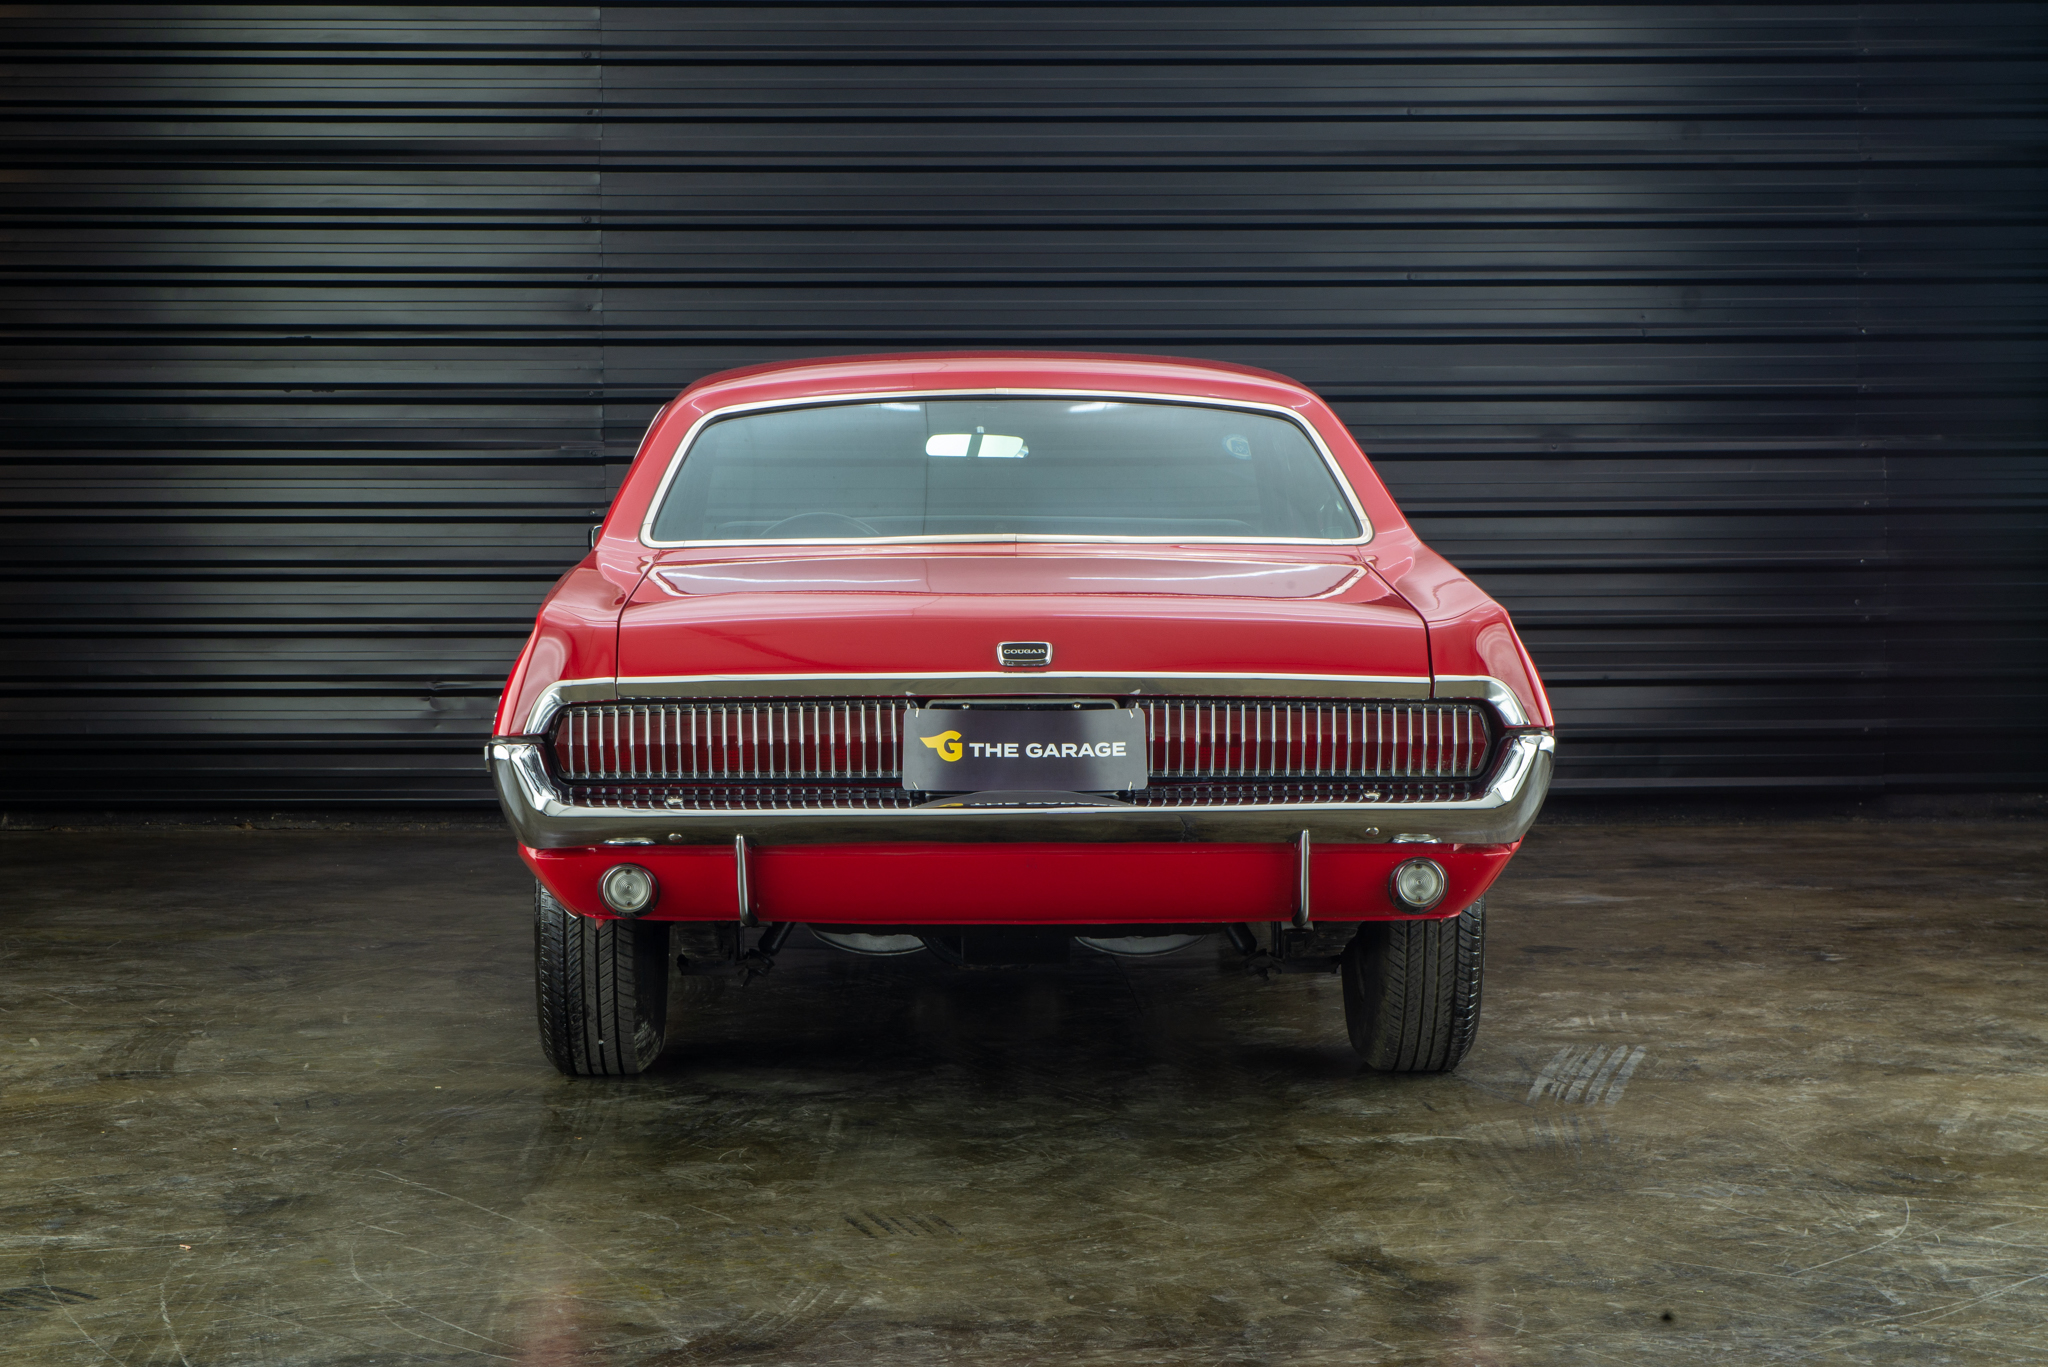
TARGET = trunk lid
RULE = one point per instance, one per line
(1261, 610)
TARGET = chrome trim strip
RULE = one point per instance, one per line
(552, 698)
(664, 576)
(998, 682)
(744, 887)
(979, 682)
(1501, 814)
(1483, 686)
(524, 788)
(675, 463)
(1301, 902)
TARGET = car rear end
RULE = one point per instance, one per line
(1263, 804)
(1007, 746)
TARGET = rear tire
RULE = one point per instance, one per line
(601, 989)
(1411, 991)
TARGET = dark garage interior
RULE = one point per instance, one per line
(1708, 339)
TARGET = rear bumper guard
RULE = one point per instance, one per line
(545, 818)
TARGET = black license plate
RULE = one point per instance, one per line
(995, 749)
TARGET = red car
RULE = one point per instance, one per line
(1004, 656)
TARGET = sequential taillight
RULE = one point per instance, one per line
(862, 738)
(1314, 738)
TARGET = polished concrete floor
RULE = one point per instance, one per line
(1755, 1095)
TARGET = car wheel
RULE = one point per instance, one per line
(601, 988)
(1411, 991)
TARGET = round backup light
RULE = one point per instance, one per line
(1418, 884)
(628, 889)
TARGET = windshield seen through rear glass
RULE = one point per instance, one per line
(965, 467)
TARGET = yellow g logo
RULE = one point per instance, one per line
(947, 743)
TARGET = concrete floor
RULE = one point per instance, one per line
(275, 1098)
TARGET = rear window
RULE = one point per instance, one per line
(964, 467)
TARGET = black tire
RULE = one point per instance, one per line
(1411, 991)
(601, 989)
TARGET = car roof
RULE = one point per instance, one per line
(1192, 376)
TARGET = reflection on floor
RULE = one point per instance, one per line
(1742, 1095)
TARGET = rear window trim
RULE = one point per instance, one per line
(682, 451)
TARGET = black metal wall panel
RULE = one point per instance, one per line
(1708, 337)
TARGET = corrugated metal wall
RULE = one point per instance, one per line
(1709, 338)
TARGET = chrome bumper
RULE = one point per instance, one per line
(542, 819)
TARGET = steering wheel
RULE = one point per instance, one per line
(819, 524)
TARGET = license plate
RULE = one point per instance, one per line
(984, 749)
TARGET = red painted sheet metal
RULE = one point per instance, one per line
(872, 633)
(1021, 884)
